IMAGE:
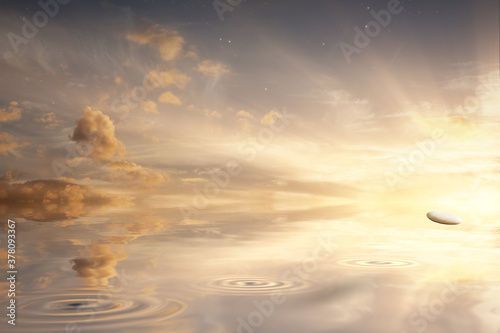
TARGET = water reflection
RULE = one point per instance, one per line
(98, 269)
(97, 309)
(248, 285)
(287, 271)
(382, 263)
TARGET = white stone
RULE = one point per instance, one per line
(444, 218)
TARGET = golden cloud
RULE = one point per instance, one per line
(99, 267)
(7, 144)
(149, 107)
(213, 113)
(168, 43)
(160, 78)
(210, 68)
(144, 176)
(97, 129)
(49, 119)
(142, 225)
(52, 200)
(123, 165)
(11, 112)
(270, 118)
(244, 114)
(169, 98)
(244, 124)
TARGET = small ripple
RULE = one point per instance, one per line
(97, 310)
(377, 263)
(248, 285)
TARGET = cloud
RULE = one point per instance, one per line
(168, 43)
(49, 119)
(244, 124)
(52, 200)
(97, 129)
(11, 112)
(141, 225)
(165, 78)
(133, 172)
(123, 165)
(210, 68)
(192, 53)
(99, 267)
(169, 98)
(270, 118)
(10, 176)
(7, 143)
(207, 112)
(142, 175)
(213, 113)
(149, 107)
(245, 114)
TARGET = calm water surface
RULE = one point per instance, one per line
(326, 269)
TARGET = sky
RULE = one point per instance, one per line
(277, 104)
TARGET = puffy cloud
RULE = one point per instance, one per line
(5, 147)
(123, 165)
(52, 200)
(270, 118)
(99, 267)
(7, 143)
(207, 112)
(97, 129)
(213, 113)
(210, 68)
(168, 43)
(133, 172)
(165, 78)
(11, 112)
(244, 120)
(149, 107)
(244, 124)
(192, 55)
(49, 119)
(142, 175)
(169, 98)
(244, 114)
(9, 176)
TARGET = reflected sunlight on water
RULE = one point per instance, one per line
(277, 272)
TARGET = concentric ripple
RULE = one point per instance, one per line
(98, 310)
(248, 285)
(378, 263)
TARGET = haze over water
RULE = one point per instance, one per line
(250, 166)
